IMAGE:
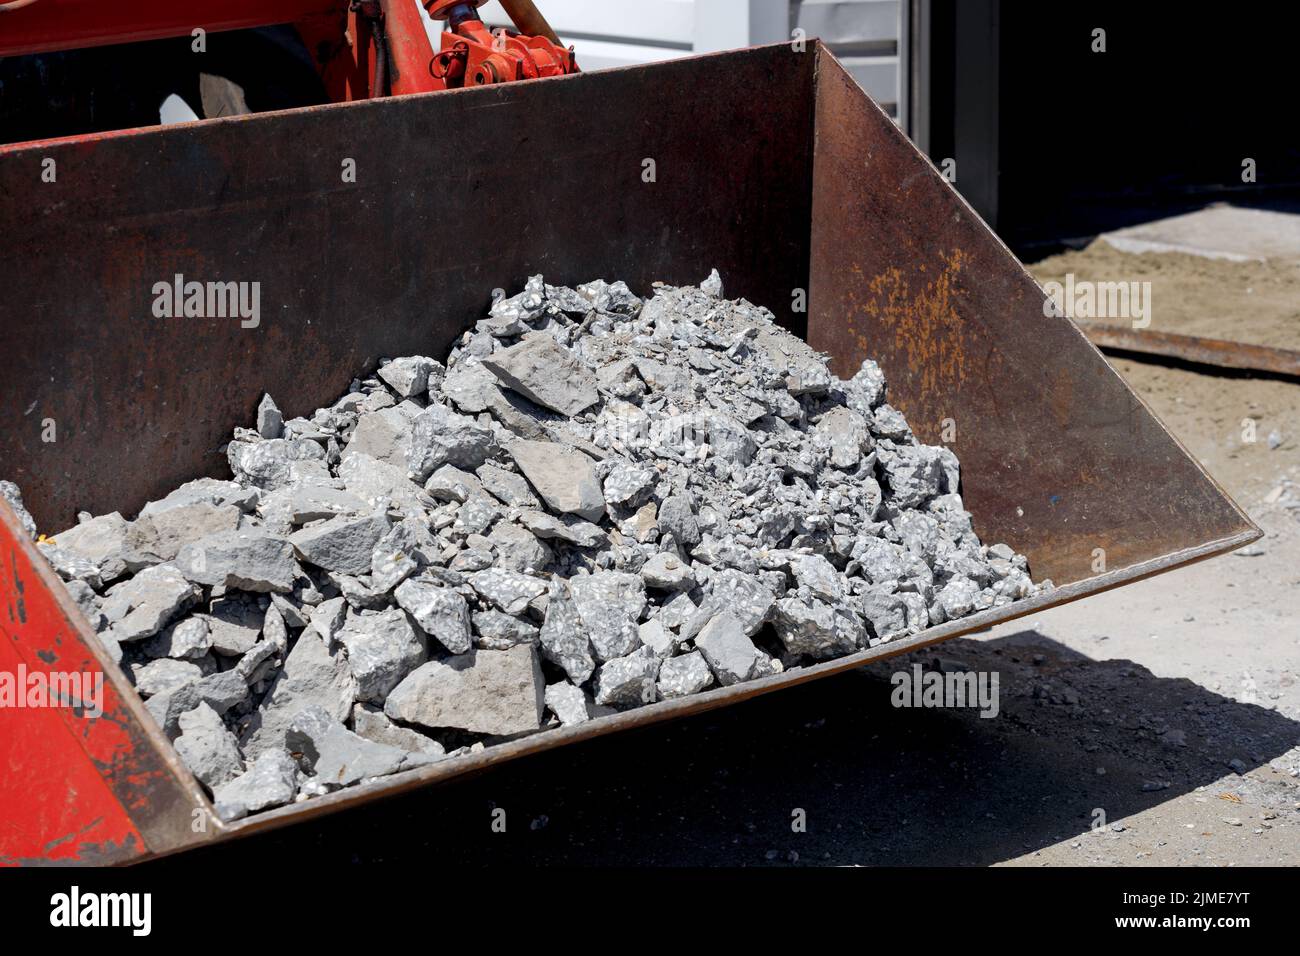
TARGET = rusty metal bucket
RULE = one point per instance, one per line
(770, 164)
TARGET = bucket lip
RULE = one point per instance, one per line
(545, 740)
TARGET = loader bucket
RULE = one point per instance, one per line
(769, 164)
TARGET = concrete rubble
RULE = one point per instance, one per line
(598, 502)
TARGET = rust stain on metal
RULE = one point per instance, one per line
(921, 314)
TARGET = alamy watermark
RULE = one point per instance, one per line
(75, 908)
(24, 689)
(1083, 299)
(922, 688)
(208, 300)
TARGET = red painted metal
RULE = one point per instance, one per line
(473, 55)
(78, 784)
(49, 25)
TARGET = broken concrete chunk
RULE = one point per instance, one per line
(334, 755)
(683, 676)
(845, 434)
(270, 423)
(140, 607)
(384, 434)
(510, 591)
(409, 375)
(565, 478)
(496, 631)
(677, 518)
(484, 692)
(245, 559)
(372, 723)
(441, 437)
(234, 623)
(313, 675)
(568, 528)
(563, 638)
(628, 680)
(730, 654)
(71, 566)
(470, 387)
(509, 488)
(816, 628)
(271, 781)
(743, 596)
(327, 617)
(100, 540)
(658, 638)
(164, 674)
(396, 556)
(518, 548)
(302, 504)
(376, 483)
(627, 485)
(667, 572)
(542, 370)
(731, 440)
(13, 496)
(153, 539)
(439, 611)
(814, 572)
(344, 544)
(221, 691)
(382, 648)
(568, 703)
(610, 604)
(449, 483)
(208, 748)
(275, 462)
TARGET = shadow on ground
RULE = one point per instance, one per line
(879, 785)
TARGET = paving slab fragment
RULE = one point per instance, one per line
(486, 692)
(565, 478)
(543, 371)
(245, 559)
(730, 654)
(344, 544)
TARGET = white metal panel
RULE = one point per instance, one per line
(595, 55)
(643, 22)
(878, 75)
(849, 21)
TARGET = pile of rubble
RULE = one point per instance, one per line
(597, 503)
